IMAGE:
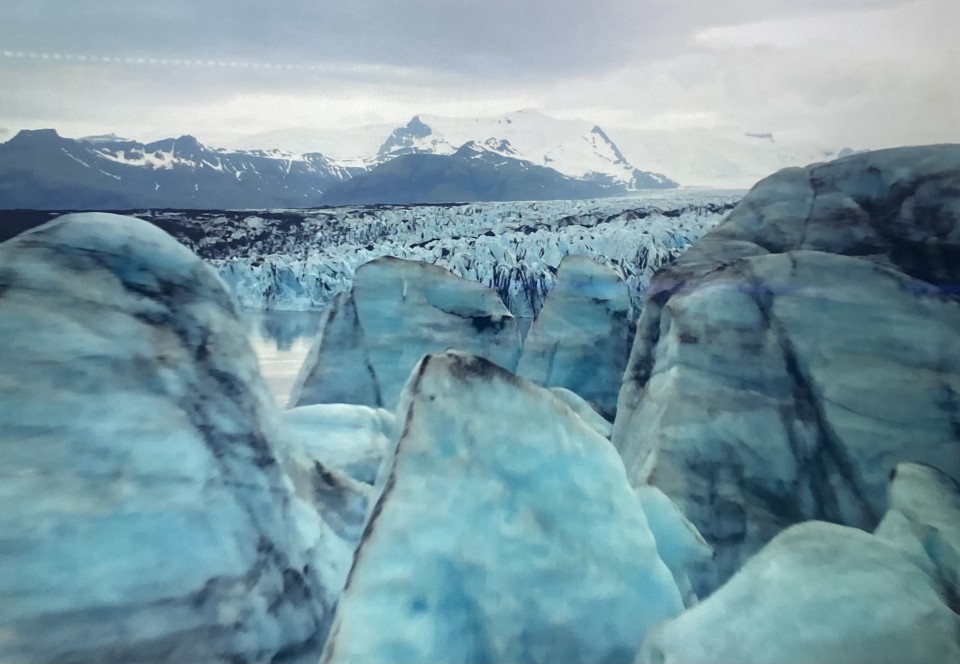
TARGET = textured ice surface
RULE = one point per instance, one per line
(396, 312)
(300, 259)
(581, 339)
(679, 543)
(584, 410)
(145, 516)
(350, 438)
(506, 532)
(924, 503)
(800, 350)
(818, 592)
(337, 367)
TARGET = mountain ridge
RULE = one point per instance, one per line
(714, 156)
(39, 169)
(573, 148)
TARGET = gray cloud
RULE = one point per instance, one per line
(492, 39)
(867, 70)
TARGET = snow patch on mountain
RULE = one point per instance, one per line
(572, 147)
(413, 138)
(727, 157)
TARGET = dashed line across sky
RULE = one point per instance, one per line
(183, 62)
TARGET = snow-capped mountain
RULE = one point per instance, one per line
(719, 156)
(39, 169)
(477, 171)
(574, 148)
(723, 157)
(42, 170)
(413, 138)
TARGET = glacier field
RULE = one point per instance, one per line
(730, 433)
(300, 260)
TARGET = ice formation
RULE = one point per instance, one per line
(822, 592)
(787, 361)
(584, 410)
(819, 592)
(350, 438)
(927, 502)
(800, 362)
(506, 532)
(396, 312)
(145, 514)
(301, 259)
(679, 543)
(581, 339)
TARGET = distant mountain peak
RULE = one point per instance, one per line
(188, 140)
(412, 138)
(47, 171)
(416, 127)
(619, 159)
(499, 146)
(35, 136)
(575, 148)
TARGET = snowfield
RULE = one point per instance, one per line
(301, 259)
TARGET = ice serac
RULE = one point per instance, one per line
(790, 359)
(397, 312)
(819, 592)
(506, 532)
(301, 259)
(581, 339)
(145, 515)
(337, 368)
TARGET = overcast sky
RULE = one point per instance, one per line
(865, 73)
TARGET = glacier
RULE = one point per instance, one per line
(301, 259)
(779, 483)
(819, 592)
(822, 592)
(581, 338)
(800, 350)
(396, 312)
(346, 437)
(147, 513)
(506, 531)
